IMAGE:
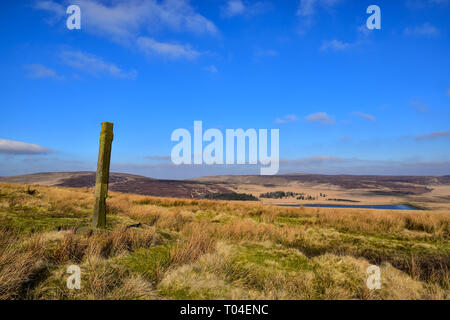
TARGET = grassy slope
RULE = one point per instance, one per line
(189, 249)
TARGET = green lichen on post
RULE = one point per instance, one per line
(102, 178)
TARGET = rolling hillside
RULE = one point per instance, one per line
(406, 185)
(122, 182)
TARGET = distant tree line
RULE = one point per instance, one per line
(343, 200)
(288, 194)
(306, 197)
(231, 196)
(279, 194)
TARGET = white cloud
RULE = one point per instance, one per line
(127, 19)
(424, 30)
(366, 116)
(233, 8)
(131, 22)
(57, 10)
(308, 8)
(287, 119)
(169, 50)
(51, 6)
(362, 38)
(320, 117)
(92, 64)
(17, 147)
(39, 71)
(335, 45)
(448, 92)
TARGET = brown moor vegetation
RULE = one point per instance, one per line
(158, 248)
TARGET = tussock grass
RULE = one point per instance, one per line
(202, 249)
(20, 264)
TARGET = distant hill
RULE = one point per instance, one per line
(200, 187)
(390, 184)
(122, 182)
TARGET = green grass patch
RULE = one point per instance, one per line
(150, 263)
(270, 258)
(39, 223)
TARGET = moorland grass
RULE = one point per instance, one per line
(202, 249)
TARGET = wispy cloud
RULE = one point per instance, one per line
(364, 32)
(365, 115)
(316, 160)
(448, 92)
(286, 119)
(320, 117)
(125, 19)
(424, 30)
(362, 38)
(39, 71)
(421, 4)
(336, 165)
(433, 135)
(335, 45)
(134, 23)
(307, 9)
(211, 68)
(56, 10)
(21, 148)
(160, 158)
(235, 8)
(420, 106)
(168, 50)
(94, 65)
(50, 6)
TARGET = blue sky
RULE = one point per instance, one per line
(346, 99)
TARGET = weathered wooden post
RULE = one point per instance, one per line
(101, 181)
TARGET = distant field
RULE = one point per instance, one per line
(422, 192)
(202, 249)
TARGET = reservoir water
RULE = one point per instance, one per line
(384, 206)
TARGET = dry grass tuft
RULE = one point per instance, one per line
(196, 245)
(19, 265)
